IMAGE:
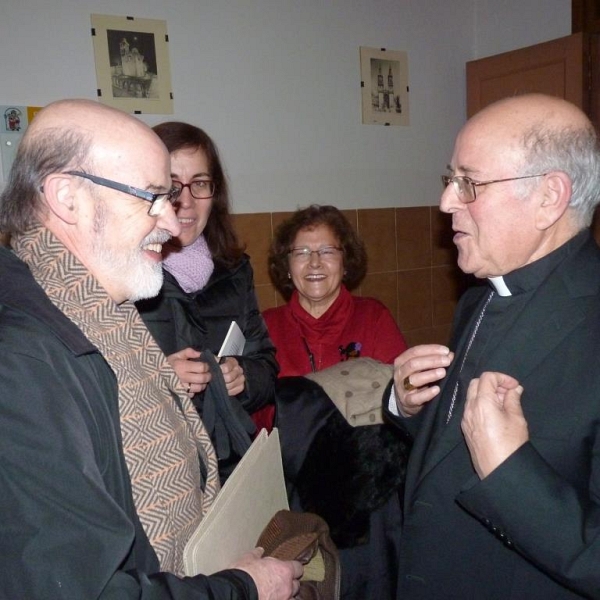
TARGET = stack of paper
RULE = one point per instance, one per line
(254, 492)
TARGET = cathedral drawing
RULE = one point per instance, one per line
(383, 98)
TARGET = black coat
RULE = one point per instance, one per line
(68, 525)
(350, 476)
(178, 320)
(531, 528)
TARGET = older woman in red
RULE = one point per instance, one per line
(315, 259)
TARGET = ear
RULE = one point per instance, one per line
(60, 192)
(556, 195)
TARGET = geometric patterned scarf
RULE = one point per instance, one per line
(163, 436)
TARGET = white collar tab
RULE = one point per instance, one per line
(500, 286)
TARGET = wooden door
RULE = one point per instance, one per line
(559, 68)
(585, 16)
(567, 67)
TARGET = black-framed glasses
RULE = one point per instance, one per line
(201, 189)
(303, 253)
(466, 188)
(157, 201)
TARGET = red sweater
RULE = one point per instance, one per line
(349, 320)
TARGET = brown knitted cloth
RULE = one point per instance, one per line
(305, 537)
(163, 437)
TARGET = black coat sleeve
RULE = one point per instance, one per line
(68, 527)
(258, 359)
(200, 320)
(406, 426)
(529, 507)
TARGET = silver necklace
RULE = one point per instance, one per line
(462, 364)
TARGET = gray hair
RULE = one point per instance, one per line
(574, 152)
(50, 150)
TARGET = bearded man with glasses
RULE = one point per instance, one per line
(503, 482)
(106, 467)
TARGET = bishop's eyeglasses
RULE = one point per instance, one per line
(466, 188)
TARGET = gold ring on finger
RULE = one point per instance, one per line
(407, 385)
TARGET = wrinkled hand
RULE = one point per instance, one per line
(422, 365)
(493, 422)
(233, 374)
(195, 375)
(274, 579)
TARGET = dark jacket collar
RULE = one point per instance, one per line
(20, 292)
(532, 275)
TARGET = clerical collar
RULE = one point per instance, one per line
(500, 286)
(531, 276)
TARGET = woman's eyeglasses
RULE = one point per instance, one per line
(201, 189)
(304, 254)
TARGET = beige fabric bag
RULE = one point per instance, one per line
(356, 387)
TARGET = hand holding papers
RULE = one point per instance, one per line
(234, 342)
(254, 492)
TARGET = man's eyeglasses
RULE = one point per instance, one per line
(157, 201)
(466, 188)
(201, 189)
(303, 254)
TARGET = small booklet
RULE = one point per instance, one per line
(234, 342)
(254, 492)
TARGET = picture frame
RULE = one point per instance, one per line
(132, 64)
(384, 86)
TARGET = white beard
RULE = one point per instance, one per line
(145, 281)
(133, 272)
(140, 276)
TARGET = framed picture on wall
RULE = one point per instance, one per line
(132, 64)
(384, 86)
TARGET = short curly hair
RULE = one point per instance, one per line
(355, 255)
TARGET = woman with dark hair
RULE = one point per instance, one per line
(315, 259)
(208, 283)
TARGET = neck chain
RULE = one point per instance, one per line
(311, 356)
(462, 364)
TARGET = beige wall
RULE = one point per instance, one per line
(276, 83)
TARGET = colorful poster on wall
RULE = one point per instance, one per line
(15, 120)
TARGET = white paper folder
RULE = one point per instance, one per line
(254, 492)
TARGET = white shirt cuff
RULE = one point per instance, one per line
(392, 406)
